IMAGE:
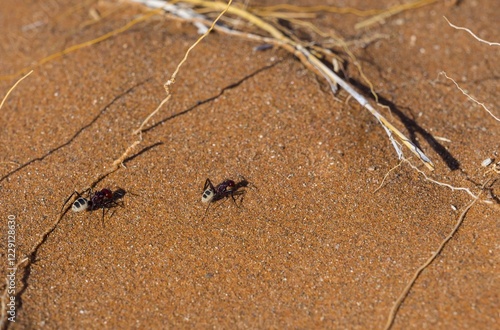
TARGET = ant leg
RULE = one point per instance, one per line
(108, 205)
(120, 204)
(103, 216)
(234, 199)
(208, 183)
(112, 203)
(206, 211)
(237, 193)
(67, 199)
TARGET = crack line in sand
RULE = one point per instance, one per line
(71, 139)
(214, 97)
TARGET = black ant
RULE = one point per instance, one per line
(226, 188)
(102, 199)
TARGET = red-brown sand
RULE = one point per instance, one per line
(311, 245)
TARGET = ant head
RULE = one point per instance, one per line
(98, 195)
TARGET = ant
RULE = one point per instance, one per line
(102, 199)
(226, 188)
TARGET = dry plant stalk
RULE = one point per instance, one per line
(387, 175)
(476, 37)
(456, 84)
(12, 88)
(470, 97)
(404, 294)
(316, 65)
(269, 10)
(171, 81)
(391, 12)
(442, 184)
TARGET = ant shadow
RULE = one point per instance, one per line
(411, 125)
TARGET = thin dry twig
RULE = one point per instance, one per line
(467, 190)
(12, 88)
(145, 121)
(171, 81)
(266, 11)
(391, 12)
(470, 97)
(386, 175)
(404, 294)
(471, 33)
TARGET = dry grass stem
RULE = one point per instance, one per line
(470, 97)
(12, 88)
(268, 10)
(476, 37)
(317, 66)
(404, 294)
(391, 12)
(467, 190)
(141, 127)
(171, 81)
(386, 175)
(119, 160)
